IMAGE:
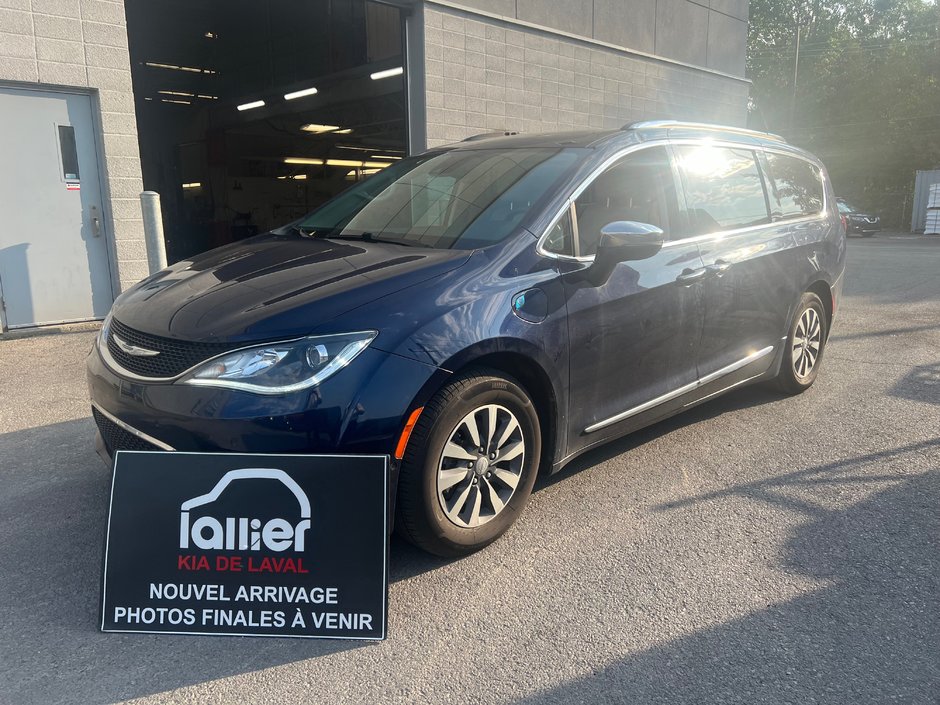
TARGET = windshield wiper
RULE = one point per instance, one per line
(369, 237)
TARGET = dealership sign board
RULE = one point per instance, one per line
(250, 545)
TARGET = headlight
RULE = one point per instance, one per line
(281, 368)
(103, 334)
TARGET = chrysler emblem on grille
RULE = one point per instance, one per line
(134, 350)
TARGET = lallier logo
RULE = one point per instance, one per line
(202, 537)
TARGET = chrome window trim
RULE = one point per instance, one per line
(669, 396)
(131, 430)
(601, 168)
(575, 231)
(721, 234)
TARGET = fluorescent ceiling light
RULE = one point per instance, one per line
(252, 104)
(357, 149)
(344, 132)
(207, 97)
(354, 163)
(300, 94)
(371, 150)
(388, 73)
(178, 102)
(342, 162)
(382, 156)
(294, 177)
(185, 95)
(317, 128)
(174, 67)
(363, 172)
(337, 162)
(194, 184)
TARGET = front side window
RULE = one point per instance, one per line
(796, 188)
(462, 199)
(723, 188)
(560, 237)
(640, 188)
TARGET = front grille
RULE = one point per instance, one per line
(116, 438)
(176, 356)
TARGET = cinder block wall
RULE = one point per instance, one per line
(83, 44)
(488, 71)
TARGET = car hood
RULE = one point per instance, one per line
(275, 286)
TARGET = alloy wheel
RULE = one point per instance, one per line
(481, 466)
(806, 343)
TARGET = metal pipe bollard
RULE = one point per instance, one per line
(153, 230)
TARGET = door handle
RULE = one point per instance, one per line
(690, 276)
(719, 267)
(95, 222)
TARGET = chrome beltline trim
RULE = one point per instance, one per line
(701, 382)
(130, 429)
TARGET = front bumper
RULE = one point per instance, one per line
(360, 410)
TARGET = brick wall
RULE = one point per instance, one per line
(83, 44)
(485, 74)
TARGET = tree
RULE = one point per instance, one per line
(867, 93)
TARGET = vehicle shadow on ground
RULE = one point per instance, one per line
(53, 511)
(408, 561)
(922, 383)
(890, 333)
(869, 635)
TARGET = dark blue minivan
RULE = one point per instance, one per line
(486, 311)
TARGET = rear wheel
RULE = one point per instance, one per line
(804, 346)
(470, 464)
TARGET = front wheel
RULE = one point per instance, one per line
(804, 346)
(470, 464)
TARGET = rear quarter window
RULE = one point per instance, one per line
(795, 186)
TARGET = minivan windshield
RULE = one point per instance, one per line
(461, 199)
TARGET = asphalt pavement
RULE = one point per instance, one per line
(758, 549)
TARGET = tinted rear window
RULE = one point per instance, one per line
(795, 186)
(723, 188)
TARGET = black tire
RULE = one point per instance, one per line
(420, 516)
(796, 357)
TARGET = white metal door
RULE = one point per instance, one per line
(54, 264)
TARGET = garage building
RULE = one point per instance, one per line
(244, 114)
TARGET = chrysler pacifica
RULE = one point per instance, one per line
(485, 311)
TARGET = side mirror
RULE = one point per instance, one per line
(624, 241)
(627, 240)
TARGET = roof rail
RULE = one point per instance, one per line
(488, 135)
(663, 124)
